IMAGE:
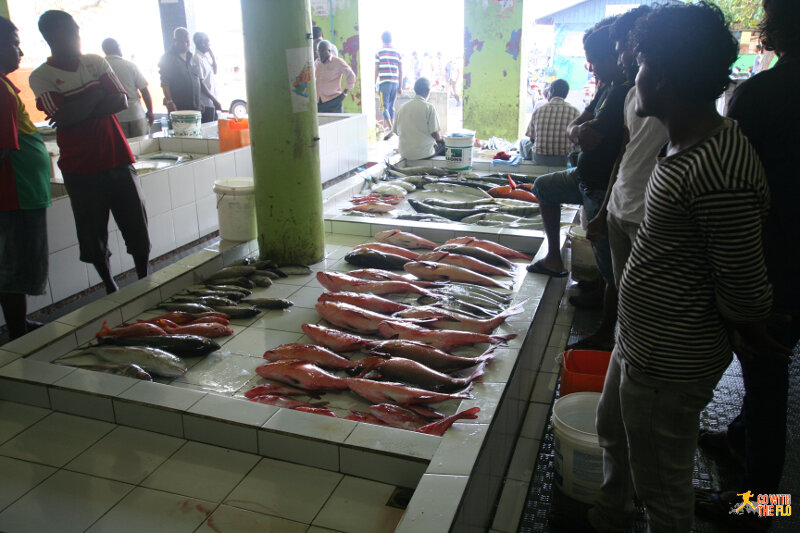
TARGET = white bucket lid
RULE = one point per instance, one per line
(234, 186)
(186, 114)
(584, 406)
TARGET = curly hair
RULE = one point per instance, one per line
(780, 28)
(621, 29)
(598, 43)
(690, 45)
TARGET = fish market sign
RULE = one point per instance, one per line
(301, 76)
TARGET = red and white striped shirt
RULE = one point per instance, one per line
(95, 144)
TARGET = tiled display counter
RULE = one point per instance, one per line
(453, 476)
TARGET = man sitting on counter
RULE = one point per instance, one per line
(417, 125)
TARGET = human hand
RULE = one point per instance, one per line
(149, 116)
(596, 228)
(217, 105)
(751, 340)
(588, 137)
(170, 105)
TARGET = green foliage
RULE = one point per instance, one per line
(743, 14)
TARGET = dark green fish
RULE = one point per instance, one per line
(237, 311)
(368, 258)
(180, 345)
(269, 303)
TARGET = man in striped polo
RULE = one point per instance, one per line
(389, 72)
(696, 280)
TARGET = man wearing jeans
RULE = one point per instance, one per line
(695, 281)
(389, 71)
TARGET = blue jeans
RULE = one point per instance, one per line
(565, 187)
(550, 160)
(388, 91)
(648, 431)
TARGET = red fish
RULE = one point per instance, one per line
(438, 428)
(336, 340)
(364, 300)
(397, 417)
(389, 249)
(336, 281)
(404, 239)
(209, 320)
(358, 416)
(427, 355)
(206, 329)
(490, 246)
(371, 207)
(287, 403)
(440, 271)
(276, 389)
(444, 339)
(382, 391)
(350, 317)
(142, 329)
(180, 317)
(464, 261)
(376, 274)
(512, 190)
(316, 411)
(301, 374)
(307, 352)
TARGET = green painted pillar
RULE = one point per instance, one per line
(284, 135)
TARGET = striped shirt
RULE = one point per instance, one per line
(389, 61)
(548, 127)
(697, 260)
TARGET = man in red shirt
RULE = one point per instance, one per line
(81, 94)
(24, 195)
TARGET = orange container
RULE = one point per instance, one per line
(584, 371)
(233, 133)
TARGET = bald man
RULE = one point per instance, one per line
(180, 77)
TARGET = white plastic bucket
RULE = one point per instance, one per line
(236, 208)
(578, 456)
(582, 263)
(186, 123)
(458, 152)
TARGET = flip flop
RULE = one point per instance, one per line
(539, 268)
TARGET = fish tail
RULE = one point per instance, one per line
(502, 339)
(104, 330)
(438, 428)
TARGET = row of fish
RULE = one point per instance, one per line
(405, 364)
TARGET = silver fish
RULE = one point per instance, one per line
(185, 307)
(232, 272)
(295, 270)
(119, 369)
(152, 360)
(237, 311)
(460, 189)
(268, 303)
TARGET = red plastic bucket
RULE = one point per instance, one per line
(584, 371)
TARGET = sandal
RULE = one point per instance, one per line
(539, 268)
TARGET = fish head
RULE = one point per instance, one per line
(386, 234)
(421, 266)
(461, 240)
(363, 366)
(433, 256)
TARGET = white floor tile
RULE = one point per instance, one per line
(55, 439)
(155, 512)
(18, 478)
(436, 500)
(65, 502)
(307, 297)
(509, 508)
(524, 460)
(126, 454)
(222, 371)
(283, 489)
(359, 506)
(232, 520)
(288, 320)
(16, 417)
(202, 471)
(255, 341)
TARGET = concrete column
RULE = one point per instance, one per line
(284, 135)
(173, 15)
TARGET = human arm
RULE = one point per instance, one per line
(596, 228)
(213, 61)
(164, 74)
(210, 96)
(399, 81)
(109, 105)
(148, 103)
(350, 77)
(168, 103)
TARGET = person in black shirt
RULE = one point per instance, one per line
(768, 111)
(180, 76)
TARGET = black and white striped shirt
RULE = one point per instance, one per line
(697, 260)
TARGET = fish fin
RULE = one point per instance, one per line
(514, 310)
(425, 412)
(502, 339)
(438, 428)
(104, 330)
(511, 183)
(470, 373)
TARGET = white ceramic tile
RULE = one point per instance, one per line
(283, 489)
(72, 274)
(396, 441)
(311, 425)
(305, 451)
(39, 301)
(222, 371)
(289, 320)
(434, 504)
(468, 439)
(233, 520)
(369, 498)
(43, 336)
(149, 418)
(18, 478)
(307, 297)
(8, 357)
(185, 224)
(84, 334)
(126, 454)
(34, 371)
(154, 511)
(524, 460)
(202, 471)
(551, 360)
(162, 395)
(381, 467)
(487, 397)
(544, 389)
(54, 350)
(81, 404)
(73, 502)
(509, 508)
(162, 236)
(194, 145)
(535, 421)
(225, 165)
(233, 409)
(156, 193)
(205, 173)
(16, 417)
(207, 214)
(61, 231)
(170, 144)
(146, 301)
(22, 392)
(181, 185)
(220, 433)
(55, 439)
(244, 163)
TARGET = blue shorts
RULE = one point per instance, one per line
(388, 91)
(565, 187)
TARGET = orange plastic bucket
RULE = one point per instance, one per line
(584, 371)
(233, 133)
